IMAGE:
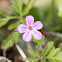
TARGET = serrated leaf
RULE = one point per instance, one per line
(13, 25)
(54, 52)
(57, 58)
(51, 51)
(48, 48)
(4, 13)
(28, 7)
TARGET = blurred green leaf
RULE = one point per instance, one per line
(54, 52)
(35, 53)
(43, 59)
(15, 12)
(4, 13)
(42, 52)
(51, 60)
(54, 55)
(31, 59)
(8, 42)
(16, 36)
(57, 58)
(39, 42)
(13, 25)
(48, 48)
(11, 39)
(18, 6)
(28, 7)
(15, 8)
(3, 21)
(51, 51)
(50, 54)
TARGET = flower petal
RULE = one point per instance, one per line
(22, 28)
(37, 35)
(37, 25)
(29, 20)
(27, 36)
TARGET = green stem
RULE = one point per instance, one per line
(15, 17)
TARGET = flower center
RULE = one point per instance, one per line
(30, 28)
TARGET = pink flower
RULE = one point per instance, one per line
(30, 29)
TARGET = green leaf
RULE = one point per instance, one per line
(54, 52)
(48, 48)
(14, 11)
(31, 59)
(43, 59)
(57, 58)
(35, 53)
(51, 51)
(4, 13)
(51, 60)
(16, 36)
(11, 39)
(55, 55)
(39, 42)
(13, 25)
(3, 21)
(8, 42)
(28, 7)
(15, 8)
(18, 6)
(42, 52)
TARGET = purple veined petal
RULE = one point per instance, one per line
(37, 35)
(27, 36)
(29, 20)
(37, 25)
(22, 28)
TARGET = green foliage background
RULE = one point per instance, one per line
(49, 13)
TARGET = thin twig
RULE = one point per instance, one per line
(52, 33)
(56, 34)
